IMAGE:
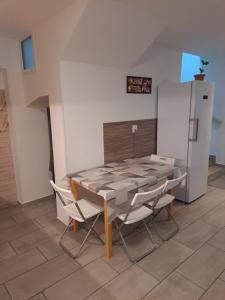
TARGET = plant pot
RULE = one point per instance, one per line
(199, 76)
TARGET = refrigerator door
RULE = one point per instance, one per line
(174, 104)
(199, 138)
(174, 101)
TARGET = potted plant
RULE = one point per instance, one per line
(201, 75)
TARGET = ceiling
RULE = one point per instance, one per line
(196, 26)
(18, 17)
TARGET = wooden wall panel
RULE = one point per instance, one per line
(120, 143)
(7, 177)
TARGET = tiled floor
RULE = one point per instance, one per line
(189, 266)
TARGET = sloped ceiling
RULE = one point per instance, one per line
(196, 26)
(117, 32)
(111, 33)
(19, 17)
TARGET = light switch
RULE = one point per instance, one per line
(134, 128)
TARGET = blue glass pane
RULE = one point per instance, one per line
(27, 53)
(190, 66)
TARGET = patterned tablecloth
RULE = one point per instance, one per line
(114, 181)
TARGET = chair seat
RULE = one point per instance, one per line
(136, 215)
(88, 208)
(164, 201)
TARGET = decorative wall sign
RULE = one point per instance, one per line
(139, 85)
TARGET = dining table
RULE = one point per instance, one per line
(114, 181)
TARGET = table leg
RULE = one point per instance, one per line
(170, 206)
(108, 232)
(74, 187)
(75, 225)
(170, 211)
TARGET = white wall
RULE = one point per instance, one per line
(28, 129)
(93, 95)
(49, 40)
(216, 73)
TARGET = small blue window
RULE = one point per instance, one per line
(190, 66)
(27, 53)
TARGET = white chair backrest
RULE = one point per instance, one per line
(66, 195)
(173, 183)
(144, 197)
(162, 159)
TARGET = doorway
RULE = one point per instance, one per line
(8, 194)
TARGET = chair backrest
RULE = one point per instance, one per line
(173, 183)
(144, 197)
(64, 195)
(162, 159)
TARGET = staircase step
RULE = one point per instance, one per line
(215, 171)
(212, 160)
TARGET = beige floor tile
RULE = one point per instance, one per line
(119, 260)
(17, 231)
(41, 277)
(223, 276)
(4, 294)
(218, 240)
(198, 208)
(29, 241)
(196, 234)
(165, 259)
(6, 222)
(189, 215)
(204, 266)
(19, 264)
(6, 251)
(32, 213)
(216, 217)
(82, 283)
(210, 200)
(175, 287)
(8, 212)
(47, 219)
(216, 291)
(139, 243)
(132, 284)
(90, 252)
(38, 297)
(50, 249)
(56, 228)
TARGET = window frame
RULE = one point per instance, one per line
(34, 67)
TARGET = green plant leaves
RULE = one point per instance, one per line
(204, 62)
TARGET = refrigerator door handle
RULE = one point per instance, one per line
(194, 138)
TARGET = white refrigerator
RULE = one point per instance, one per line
(184, 131)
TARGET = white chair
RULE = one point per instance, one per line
(164, 201)
(162, 159)
(81, 211)
(137, 212)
